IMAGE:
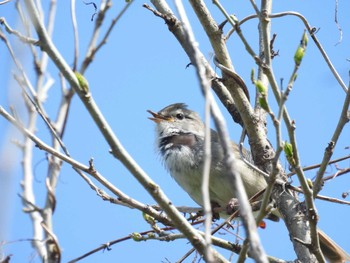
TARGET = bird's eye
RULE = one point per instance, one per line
(179, 116)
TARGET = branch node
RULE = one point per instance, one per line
(91, 165)
(107, 246)
(168, 20)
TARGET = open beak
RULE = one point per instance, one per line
(157, 118)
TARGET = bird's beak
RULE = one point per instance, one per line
(157, 118)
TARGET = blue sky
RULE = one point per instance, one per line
(143, 67)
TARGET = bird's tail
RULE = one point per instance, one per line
(331, 250)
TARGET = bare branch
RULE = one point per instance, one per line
(76, 35)
(337, 22)
(21, 37)
(314, 166)
(4, 2)
(87, 169)
(312, 32)
(205, 85)
(343, 120)
(53, 241)
(98, 23)
(175, 27)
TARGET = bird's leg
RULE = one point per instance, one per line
(233, 206)
(215, 209)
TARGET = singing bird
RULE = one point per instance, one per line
(180, 139)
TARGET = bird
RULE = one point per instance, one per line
(180, 134)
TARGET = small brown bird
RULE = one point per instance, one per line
(180, 138)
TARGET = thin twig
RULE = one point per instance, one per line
(76, 35)
(311, 31)
(205, 85)
(292, 136)
(236, 26)
(4, 2)
(93, 48)
(21, 37)
(117, 149)
(343, 120)
(318, 44)
(112, 25)
(314, 166)
(87, 169)
(48, 123)
(247, 217)
(56, 255)
(149, 235)
(337, 23)
(204, 15)
(18, 64)
(98, 23)
(321, 197)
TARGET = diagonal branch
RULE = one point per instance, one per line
(343, 120)
(117, 149)
(175, 28)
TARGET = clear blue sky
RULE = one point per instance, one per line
(143, 67)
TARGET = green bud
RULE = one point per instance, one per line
(309, 183)
(83, 83)
(263, 103)
(299, 54)
(151, 235)
(252, 73)
(261, 87)
(288, 150)
(149, 219)
(136, 236)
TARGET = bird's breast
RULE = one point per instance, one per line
(177, 152)
(179, 159)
